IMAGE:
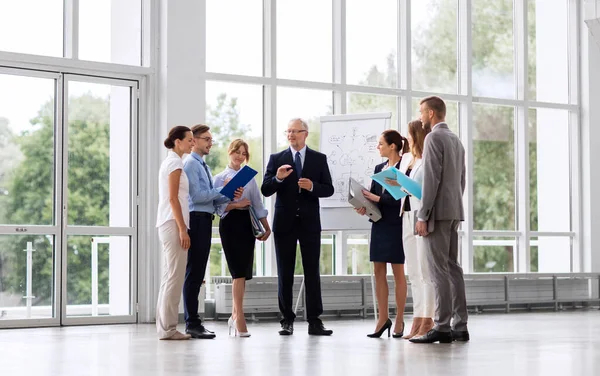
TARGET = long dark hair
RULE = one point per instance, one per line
(392, 136)
(178, 132)
(418, 133)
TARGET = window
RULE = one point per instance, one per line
(234, 38)
(304, 46)
(434, 45)
(493, 56)
(548, 156)
(494, 168)
(372, 42)
(548, 51)
(307, 104)
(493, 255)
(110, 31)
(32, 27)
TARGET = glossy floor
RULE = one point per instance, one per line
(543, 343)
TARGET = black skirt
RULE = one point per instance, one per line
(386, 242)
(238, 243)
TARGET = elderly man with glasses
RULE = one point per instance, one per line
(299, 176)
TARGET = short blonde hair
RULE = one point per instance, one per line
(236, 145)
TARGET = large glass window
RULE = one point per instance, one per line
(434, 45)
(234, 111)
(307, 104)
(493, 49)
(494, 167)
(548, 50)
(363, 103)
(26, 150)
(110, 31)
(371, 42)
(234, 38)
(304, 46)
(32, 27)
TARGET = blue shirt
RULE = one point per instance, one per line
(251, 192)
(202, 197)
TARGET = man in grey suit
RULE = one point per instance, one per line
(438, 220)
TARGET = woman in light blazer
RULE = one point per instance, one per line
(417, 267)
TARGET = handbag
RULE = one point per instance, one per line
(257, 227)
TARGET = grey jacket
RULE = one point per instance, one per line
(443, 176)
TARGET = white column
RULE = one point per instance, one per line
(590, 142)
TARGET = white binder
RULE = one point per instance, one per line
(358, 200)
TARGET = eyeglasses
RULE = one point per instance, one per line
(210, 140)
(294, 131)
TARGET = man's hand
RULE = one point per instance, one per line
(421, 228)
(284, 171)
(370, 196)
(361, 211)
(238, 193)
(305, 183)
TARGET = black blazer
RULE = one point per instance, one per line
(289, 201)
(388, 205)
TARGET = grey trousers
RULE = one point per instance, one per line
(441, 246)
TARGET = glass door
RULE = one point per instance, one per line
(29, 230)
(99, 200)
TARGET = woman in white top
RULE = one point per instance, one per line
(237, 235)
(417, 267)
(173, 220)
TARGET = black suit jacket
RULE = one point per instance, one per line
(289, 201)
(388, 205)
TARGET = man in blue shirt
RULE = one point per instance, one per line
(202, 201)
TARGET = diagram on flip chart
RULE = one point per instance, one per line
(350, 144)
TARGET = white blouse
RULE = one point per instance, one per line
(251, 192)
(165, 213)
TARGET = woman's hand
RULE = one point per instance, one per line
(361, 211)
(243, 203)
(393, 182)
(370, 196)
(265, 236)
(184, 239)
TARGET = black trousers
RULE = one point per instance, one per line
(310, 250)
(200, 235)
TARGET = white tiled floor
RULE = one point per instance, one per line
(563, 343)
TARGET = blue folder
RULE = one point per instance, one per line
(240, 179)
(408, 186)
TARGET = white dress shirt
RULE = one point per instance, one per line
(165, 213)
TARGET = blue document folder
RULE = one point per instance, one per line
(408, 186)
(240, 179)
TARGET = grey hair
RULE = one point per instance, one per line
(302, 122)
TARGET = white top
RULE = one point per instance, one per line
(251, 192)
(165, 213)
(416, 174)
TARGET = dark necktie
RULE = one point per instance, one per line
(208, 175)
(298, 163)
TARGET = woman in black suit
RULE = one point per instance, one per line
(386, 237)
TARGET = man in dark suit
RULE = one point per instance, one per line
(299, 176)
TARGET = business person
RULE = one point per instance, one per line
(386, 237)
(438, 220)
(237, 236)
(417, 266)
(172, 221)
(299, 176)
(202, 201)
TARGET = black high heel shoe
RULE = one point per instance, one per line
(387, 326)
(401, 334)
